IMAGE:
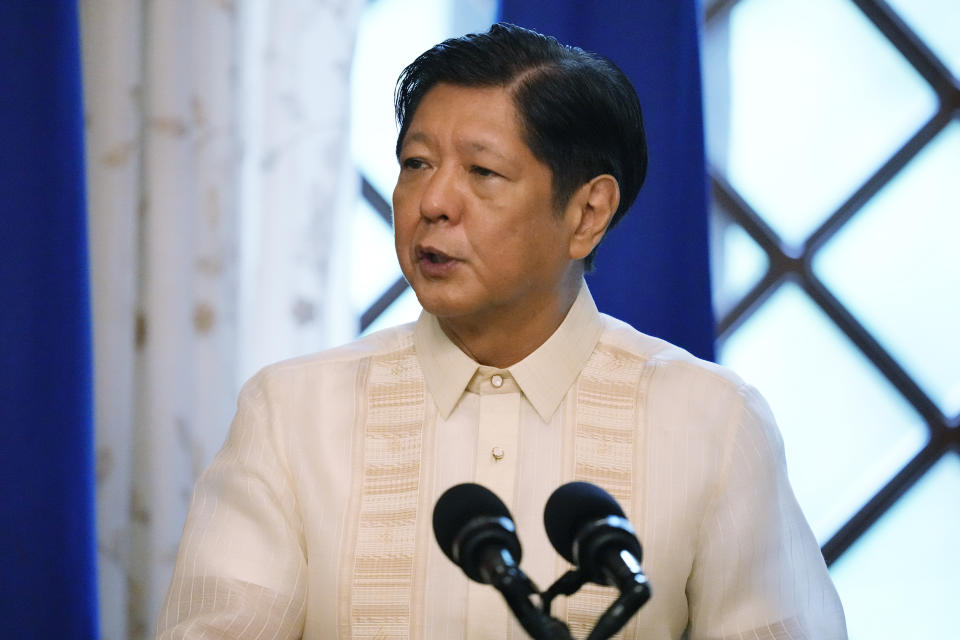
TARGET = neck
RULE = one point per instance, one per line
(502, 340)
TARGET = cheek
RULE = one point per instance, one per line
(402, 238)
(404, 198)
(505, 253)
(404, 220)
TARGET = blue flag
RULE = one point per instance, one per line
(653, 269)
(47, 549)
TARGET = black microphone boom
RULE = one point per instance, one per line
(474, 529)
(586, 525)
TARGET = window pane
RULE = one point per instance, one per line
(406, 308)
(901, 579)
(937, 22)
(390, 36)
(739, 262)
(373, 261)
(895, 266)
(846, 430)
(819, 100)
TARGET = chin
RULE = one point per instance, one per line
(438, 308)
(439, 305)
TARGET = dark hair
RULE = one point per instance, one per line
(581, 116)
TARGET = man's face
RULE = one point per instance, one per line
(477, 234)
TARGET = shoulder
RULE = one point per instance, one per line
(683, 392)
(313, 398)
(671, 363)
(331, 364)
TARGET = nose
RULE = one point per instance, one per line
(440, 199)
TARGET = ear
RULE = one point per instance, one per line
(590, 210)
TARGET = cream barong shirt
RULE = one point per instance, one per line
(315, 518)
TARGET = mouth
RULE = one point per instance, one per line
(433, 256)
(433, 263)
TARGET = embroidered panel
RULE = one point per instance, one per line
(385, 546)
(605, 441)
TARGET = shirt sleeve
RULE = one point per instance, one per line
(240, 570)
(758, 571)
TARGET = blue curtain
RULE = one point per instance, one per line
(47, 552)
(653, 269)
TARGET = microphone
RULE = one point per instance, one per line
(474, 529)
(586, 526)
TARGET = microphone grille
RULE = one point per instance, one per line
(572, 506)
(459, 505)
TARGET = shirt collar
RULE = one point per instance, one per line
(544, 376)
(446, 369)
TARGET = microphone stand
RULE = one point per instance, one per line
(634, 593)
(620, 611)
(518, 590)
(567, 585)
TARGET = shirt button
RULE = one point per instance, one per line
(497, 453)
(497, 381)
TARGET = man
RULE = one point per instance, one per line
(516, 155)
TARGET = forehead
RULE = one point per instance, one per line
(479, 115)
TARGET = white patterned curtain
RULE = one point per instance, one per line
(219, 179)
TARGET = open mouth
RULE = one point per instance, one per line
(435, 257)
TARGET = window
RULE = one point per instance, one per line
(834, 145)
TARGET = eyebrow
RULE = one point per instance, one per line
(482, 148)
(470, 145)
(416, 136)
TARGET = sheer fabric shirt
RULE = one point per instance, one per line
(314, 520)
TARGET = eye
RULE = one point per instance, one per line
(483, 172)
(413, 163)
